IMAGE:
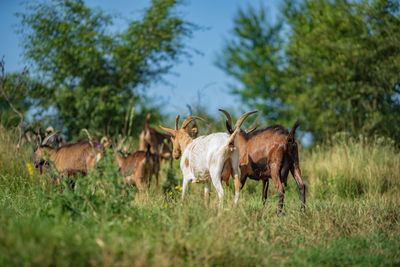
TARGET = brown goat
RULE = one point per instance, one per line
(152, 137)
(68, 159)
(138, 168)
(269, 153)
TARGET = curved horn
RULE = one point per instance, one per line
(188, 120)
(228, 117)
(176, 122)
(170, 131)
(190, 109)
(121, 143)
(243, 117)
(39, 136)
(49, 130)
(48, 137)
(103, 140)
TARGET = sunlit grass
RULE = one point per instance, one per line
(119, 226)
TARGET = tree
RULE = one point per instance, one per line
(253, 57)
(13, 101)
(340, 67)
(90, 75)
(343, 66)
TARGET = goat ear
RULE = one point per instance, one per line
(192, 132)
(251, 130)
(170, 131)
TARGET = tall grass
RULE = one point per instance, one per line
(351, 169)
(104, 223)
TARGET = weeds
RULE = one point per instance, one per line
(352, 216)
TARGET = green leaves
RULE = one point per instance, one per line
(89, 74)
(252, 57)
(336, 70)
(339, 63)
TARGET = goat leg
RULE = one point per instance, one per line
(238, 186)
(156, 176)
(235, 169)
(243, 177)
(265, 190)
(207, 193)
(302, 188)
(185, 187)
(277, 181)
(216, 180)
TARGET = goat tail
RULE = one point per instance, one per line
(230, 146)
(290, 138)
(233, 136)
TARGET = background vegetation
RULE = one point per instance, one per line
(352, 217)
(333, 64)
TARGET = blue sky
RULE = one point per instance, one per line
(201, 81)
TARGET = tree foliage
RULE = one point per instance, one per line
(252, 57)
(91, 75)
(13, 101)
(339, 69)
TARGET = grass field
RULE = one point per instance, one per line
(352, 217)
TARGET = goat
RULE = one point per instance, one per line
(152, 137)
(68, 159)
(206, 157)
(55, 140)
(138, 168)
(269, 153)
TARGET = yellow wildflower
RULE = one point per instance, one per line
(30, 170)
(177, 187)
(166, 205)
(170, 193)
(100, 242)
(181, 188)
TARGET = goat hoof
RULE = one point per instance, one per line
(279, 213)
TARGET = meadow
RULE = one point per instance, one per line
(352, 215)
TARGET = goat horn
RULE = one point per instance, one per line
(121, 143)
(49, 130)
(176, 122)
(39, 137)
(170, 131)
(190, 109)
(48, 137)
(243, 117)
(103, 140)
(188, 120)
(228, 117)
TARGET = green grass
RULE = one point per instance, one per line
(352, 217)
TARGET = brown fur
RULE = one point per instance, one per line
(180, 140)
(270, 153)
(138, 168)
(70, 159)
(152, 137)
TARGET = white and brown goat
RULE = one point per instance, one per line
(269, 153)
(206, 157)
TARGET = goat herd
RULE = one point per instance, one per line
(259, 154)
